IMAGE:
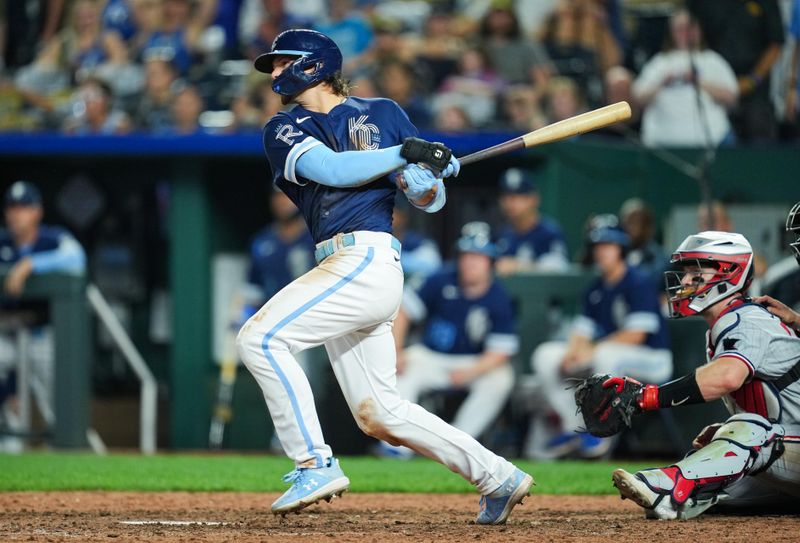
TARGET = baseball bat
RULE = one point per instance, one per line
(579, 124)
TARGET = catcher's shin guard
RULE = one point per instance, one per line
(746, 444)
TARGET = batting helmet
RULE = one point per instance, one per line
(476, 237)
(728, 255)
(313, 49)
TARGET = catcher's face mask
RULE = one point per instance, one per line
(694, 284)
(793, 225)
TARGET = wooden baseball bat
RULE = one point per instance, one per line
(579, 124)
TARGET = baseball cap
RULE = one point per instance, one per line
(609, 234)
(23, 193)
(517, 181)
(476, 237)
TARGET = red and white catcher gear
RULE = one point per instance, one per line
(746, 444)
(729, 255)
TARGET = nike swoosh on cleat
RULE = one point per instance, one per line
(303, 119)
(674, 403)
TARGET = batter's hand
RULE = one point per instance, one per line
(416, 181)
(780, 310)
(452, 169)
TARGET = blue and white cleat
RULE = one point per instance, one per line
(310, 485)
(496, 507)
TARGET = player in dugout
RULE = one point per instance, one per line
(753, 365)
(340, 159)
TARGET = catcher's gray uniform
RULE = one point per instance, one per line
(771, 351)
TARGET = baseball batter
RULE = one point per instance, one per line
(753, 365)
(340, 159)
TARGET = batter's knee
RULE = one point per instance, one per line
(375, 420)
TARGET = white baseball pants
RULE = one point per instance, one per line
(428, 370)
(348, 303)
(616, 359)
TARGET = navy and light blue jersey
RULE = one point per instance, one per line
(420, 255)
(55, 250)
(543, 244)
(355, 124)
(457, 325)
(630, 304)
(274, 263)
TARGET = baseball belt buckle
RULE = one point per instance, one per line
(338, 242)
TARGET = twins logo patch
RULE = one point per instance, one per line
(363, 135)
(287, 133)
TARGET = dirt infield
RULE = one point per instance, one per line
(242, 518)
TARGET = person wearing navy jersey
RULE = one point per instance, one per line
(620, 331)
(341, 160)
(28, 248)
(529, 241)
(469, 334)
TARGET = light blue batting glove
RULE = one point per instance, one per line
(452, 169)
(418, 181)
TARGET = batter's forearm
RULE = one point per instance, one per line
(349, 168)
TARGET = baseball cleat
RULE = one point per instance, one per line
(633, 488)
(309, 486)
(496, 507)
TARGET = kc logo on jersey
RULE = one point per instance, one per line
(363, 135)
(286, 133)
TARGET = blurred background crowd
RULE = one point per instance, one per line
(184, 66)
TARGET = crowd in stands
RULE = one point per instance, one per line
(697, 73)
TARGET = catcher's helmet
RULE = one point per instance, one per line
(793, 225)
(313, 49)
(729, 255)
(476, 237)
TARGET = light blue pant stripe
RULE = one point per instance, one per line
(289, 318)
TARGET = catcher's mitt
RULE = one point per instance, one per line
(607, 403)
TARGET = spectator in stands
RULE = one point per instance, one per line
(563, 99)
(395, 80)
(119, 16)
(93, 111)
(749, 36)
(522, 109)
(529, 241)
(474, 88)
(24, 27)
(349, 30)
(31, 248)
(516, 59)
(579, 40)
(153, 113)
(452, 119)
(258, 105)
(618, 87)
(620, 328)
(685, 91)
(439, 47)
(260, 21)
(469, 335)
(420, 256)
(186, 110)
(83, 47)
(636, 219)
(178, 36)
(721, 219)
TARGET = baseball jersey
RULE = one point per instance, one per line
(769, 349)
(420, 254)
(455, 324)
(355, 124)
(544, 244)
(55, 250)
(630, 304)
(274, 263)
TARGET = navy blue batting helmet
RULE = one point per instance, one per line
(313, 49)
(476, 237)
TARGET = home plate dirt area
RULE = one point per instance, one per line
(245, 517)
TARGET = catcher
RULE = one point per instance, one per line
(753, 365)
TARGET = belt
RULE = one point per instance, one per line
(340, 241)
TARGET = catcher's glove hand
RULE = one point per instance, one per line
(608, 403)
